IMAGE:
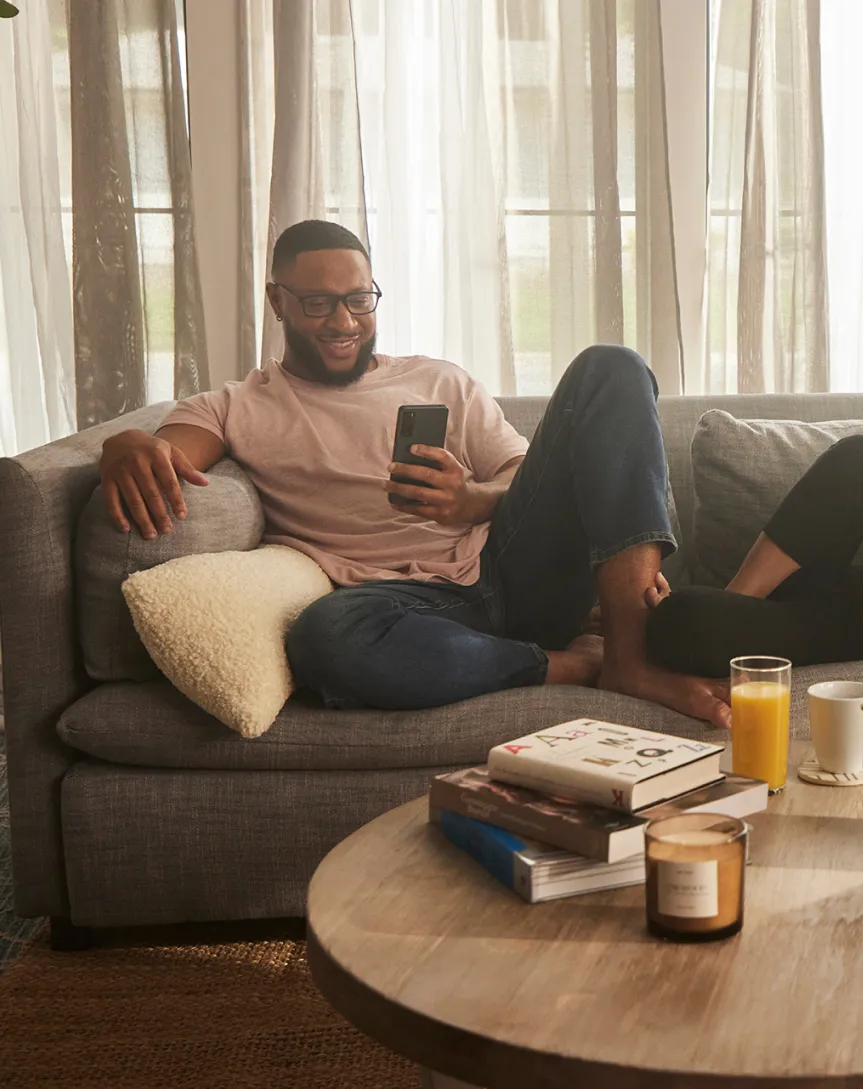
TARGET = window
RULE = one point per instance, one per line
(436, 92)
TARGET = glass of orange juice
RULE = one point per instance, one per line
(760, 707)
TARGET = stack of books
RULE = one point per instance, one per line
(562, 811)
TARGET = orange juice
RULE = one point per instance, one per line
(759, 731)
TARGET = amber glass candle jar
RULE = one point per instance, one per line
(695, 867)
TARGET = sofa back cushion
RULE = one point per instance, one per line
(227, 516)
(742, 469)
(680, 415)
(224, 516)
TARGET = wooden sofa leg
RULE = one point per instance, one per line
(68, 938)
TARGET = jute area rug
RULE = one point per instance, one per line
(240, 1016)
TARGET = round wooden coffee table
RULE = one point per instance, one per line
(418, 947)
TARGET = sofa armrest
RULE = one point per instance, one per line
(42, 493)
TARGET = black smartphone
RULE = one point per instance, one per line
(424, 424)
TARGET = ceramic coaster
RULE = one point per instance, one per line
(810, 771)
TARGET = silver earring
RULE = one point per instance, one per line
(278, 317)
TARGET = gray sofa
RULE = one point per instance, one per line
(130, 805)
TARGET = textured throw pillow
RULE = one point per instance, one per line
(215, 625)
(225, 515)
(742, 470)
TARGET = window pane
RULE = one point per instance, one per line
(530, 301)
(156, 257)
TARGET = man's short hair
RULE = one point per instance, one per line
(314, 234)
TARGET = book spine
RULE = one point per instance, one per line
(488, 806)
(470, 837)
(524, 772)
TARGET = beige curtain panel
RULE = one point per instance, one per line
(95, 194)
(137, 295)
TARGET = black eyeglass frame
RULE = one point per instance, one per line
(334, 300)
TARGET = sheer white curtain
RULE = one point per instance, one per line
(767, 328)
(37, 371)
(842, 77)
(257, 78)
(506, 161)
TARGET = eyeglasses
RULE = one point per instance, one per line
(321, 306)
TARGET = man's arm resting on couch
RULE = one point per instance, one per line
(143, 471)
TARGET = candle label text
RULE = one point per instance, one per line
(688, 890)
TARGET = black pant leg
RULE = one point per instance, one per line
(820, 521)
(813, 617)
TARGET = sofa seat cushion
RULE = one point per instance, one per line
(151, 724)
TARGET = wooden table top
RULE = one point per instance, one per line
(420, 948)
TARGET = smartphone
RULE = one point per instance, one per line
(424, 424)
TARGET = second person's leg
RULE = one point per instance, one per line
(819, 524)
(795, 595)
(813, 617)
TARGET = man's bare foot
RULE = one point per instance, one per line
(694, 696)
(580, 663)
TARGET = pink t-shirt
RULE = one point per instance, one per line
(319, 455)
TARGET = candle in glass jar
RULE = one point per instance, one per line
(695, 865)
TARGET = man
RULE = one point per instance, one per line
(488, 582)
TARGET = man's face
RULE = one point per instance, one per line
(334, 350)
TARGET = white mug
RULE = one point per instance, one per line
(836, 722)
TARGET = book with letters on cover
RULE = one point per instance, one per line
(620, 767)
(533, 870)
(595, 831)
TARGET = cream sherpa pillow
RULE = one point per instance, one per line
(215, 625)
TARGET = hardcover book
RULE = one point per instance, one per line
(591, 830)
(533, 870)
(619, 767)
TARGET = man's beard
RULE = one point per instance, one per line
(305, 352)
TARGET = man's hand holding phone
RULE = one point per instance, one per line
(445, 494)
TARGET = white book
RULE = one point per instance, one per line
(620, 767)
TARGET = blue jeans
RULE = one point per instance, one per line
(593, 483)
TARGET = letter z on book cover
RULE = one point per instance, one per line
(610, 765)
